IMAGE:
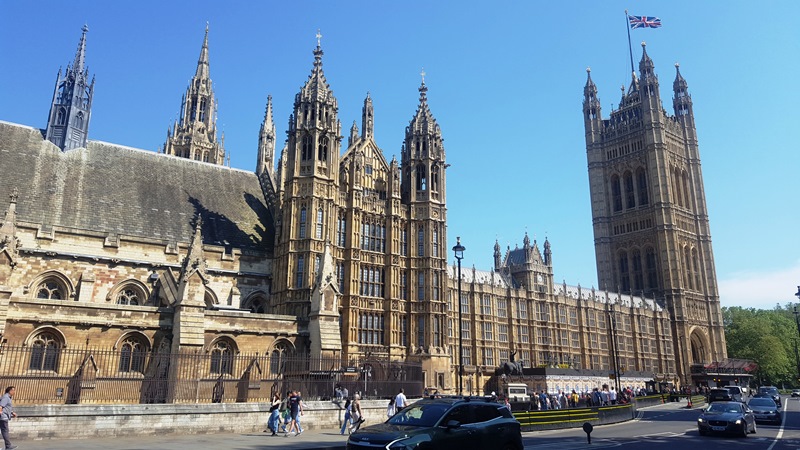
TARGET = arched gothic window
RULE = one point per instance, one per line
(616, 193)
(61, 117)
(51, 289)
(222, 357)
(624, 273)
(202, 113)
(302, 231)
(630, 198)
(687, 269)
(638, 278)
(128, 296)
(686, 194)
(435, 178)
(306, 151)
(79, 120)
(676, 188)
(300, 272)
(256, 303)
(45, 352)
(319, 224)
(132, 354)
(652, 275)
(641, 177)
(422, 179)
(696, 269)
(322, 149)
(278, 356)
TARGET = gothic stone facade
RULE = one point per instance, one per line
(335, 253)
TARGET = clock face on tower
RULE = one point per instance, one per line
(539, 278)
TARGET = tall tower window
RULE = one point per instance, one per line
(624, 274)
(340, 276)
(341, 230)
(696, 269)
(676, 188)
(421, 241)
(202, 113)
(616, 193)
(299, 272)
(317, 265)
(629, 195)
(422, 179)
(421, 331)
(522, 309)
(62, 116)
(437, 331)
(689, 280)
(319, 224)
(435, 241)
(420, 285)
(686, 194)
(435, 285)
(464, 303)
(404, 285)
(306, 148)
(404, 330)
(302, 231)
(435, 178)
(404, 242)
(638, 279)
(371, 327)
(650, 260)
(322, 149)
(641, 176)
(372, 281)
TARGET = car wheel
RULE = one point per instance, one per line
(754, 428)
(745, 431)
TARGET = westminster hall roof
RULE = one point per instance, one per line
(122, 191)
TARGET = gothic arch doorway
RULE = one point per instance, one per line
(699, 353)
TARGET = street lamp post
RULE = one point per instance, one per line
(797, 322)
(612, 324)
(458, 249)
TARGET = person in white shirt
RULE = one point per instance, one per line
(400, 401)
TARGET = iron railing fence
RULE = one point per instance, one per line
(55, 375)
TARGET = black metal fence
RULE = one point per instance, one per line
(52, 375)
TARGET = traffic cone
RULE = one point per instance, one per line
(690, 402)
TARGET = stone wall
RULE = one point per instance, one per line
(81, 421)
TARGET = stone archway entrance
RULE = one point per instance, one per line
(699, 348)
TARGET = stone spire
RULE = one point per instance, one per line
(70, 109)
(367, 119)
(266, 142)
(195, 134)
(9, 242)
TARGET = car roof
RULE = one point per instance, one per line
(454, 399)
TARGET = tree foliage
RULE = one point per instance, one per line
(767, 337)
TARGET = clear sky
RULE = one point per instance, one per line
(505, 83)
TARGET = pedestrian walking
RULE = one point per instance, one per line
(302, 408)
(390, 409)
(6, 414)
(294, 412)
(357, 414)
(347, 416)
(274, 414)
(400, 400)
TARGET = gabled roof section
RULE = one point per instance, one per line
(108, 188)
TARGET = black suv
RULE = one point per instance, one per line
(719, 395)
(461, 423)
(773, 393)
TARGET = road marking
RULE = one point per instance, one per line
(783, 423)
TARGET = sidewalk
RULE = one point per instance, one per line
(311, 439)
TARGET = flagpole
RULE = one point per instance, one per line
(630, 47)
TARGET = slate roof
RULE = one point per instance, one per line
(108, 188)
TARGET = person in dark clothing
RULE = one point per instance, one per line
(294, 411)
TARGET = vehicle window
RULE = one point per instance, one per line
(724, 407)
(420, 415)
(459, 413)
(762, 402)
(485, 413)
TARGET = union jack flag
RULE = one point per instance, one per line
(644, 22)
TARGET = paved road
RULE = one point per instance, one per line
(666, 427)
(662, 427)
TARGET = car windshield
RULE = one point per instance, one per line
(420, 415)
(769, 390)
(762, 402)
(724, 408)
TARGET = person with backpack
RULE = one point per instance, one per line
(346, 422)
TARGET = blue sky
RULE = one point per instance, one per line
(505, 83)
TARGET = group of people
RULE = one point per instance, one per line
(285, 413)
(604, 396)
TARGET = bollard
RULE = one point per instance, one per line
(587, 428)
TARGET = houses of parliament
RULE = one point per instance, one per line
(330, 250)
